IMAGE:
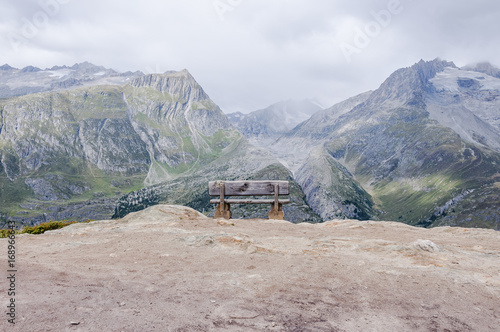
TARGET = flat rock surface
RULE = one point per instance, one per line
(170, 268)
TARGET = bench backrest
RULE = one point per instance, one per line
(247, 188)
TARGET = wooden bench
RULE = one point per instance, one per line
(248, 188)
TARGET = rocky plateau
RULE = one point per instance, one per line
(170, 268)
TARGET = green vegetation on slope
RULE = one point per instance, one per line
(412, 166)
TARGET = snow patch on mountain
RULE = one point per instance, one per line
(454, 79)
(19, 82)
(467, 102)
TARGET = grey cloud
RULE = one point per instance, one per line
(256, 52)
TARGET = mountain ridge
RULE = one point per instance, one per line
(18, 82)
(400, 154)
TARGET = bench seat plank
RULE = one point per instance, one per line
(250, 201)
(248, 188)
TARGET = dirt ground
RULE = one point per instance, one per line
(169, 268)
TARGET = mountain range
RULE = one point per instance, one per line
(74, 152)
(423, 148)
(18, 82)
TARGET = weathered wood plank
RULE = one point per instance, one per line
(249, 201)
(248, 188)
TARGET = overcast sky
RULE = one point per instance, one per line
(248, 54)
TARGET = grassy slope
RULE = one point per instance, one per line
(58, 117)
(61, 116)
(411, 166)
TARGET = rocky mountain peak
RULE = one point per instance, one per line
(58, 67)
(30, 69)
(428, 69)
(180, 83)
(89, 68)
(406, 83)
(6, 67)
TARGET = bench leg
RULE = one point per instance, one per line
(223, 212)
(276, 213)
